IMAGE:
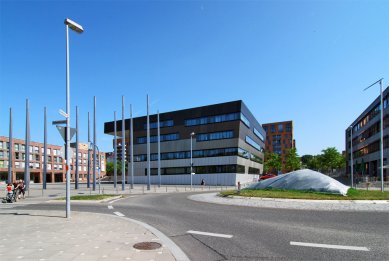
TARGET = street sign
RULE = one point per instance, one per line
(62, 152)
(59, 122)
(63, 113)
(62, 131)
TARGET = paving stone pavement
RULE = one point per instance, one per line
(48, 235)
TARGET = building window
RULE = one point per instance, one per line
(244, 120)
(23, 147)
(2, 164)
(153, 139)
(215, 136)
(280, 127)
(272, 129)
(212, 119)
(16, 146)
(288, 127)
(1, 154)
(253, 170)
(251, 142)
(258, 134)
(162, 124)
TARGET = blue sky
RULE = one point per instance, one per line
(306, 61)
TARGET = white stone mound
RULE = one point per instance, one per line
(304, 179)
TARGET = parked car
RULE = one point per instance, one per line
(267, 176)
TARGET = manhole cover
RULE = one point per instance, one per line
(147, 245)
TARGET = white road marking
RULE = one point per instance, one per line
(119, 214)
(110, 207)
(208, 234)
(329, 246)
(114, 200)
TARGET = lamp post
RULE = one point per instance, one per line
(351, 155)
(77, 28)
(191, 159)
(381, 131)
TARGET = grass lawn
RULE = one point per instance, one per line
(90, 197)
(352, 194)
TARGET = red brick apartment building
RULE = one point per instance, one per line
(279, 138)
(55, 163)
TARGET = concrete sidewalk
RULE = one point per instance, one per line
(47, 235)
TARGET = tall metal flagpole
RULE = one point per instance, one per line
(76, 157)
(123, 148)
(27, 160)
(10, 156)
(94, 143)
(132, 148)
(115, 144)
(148, 146)
(45, 150)
(88, 171)
(159, 150)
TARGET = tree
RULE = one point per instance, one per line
(110, 168)
(331, 159)
(273, 163)
(292, 161)
(310, 162)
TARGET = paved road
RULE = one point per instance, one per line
(257, 233)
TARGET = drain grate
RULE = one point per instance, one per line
(147, 245)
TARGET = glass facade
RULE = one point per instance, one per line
(245, 120)
(215, 136)
(255, 145)
(212, 119)
(212, 169)
(258, 134)
(162, 124)
(164, 137)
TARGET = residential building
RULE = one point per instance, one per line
(279, 139)
(366, 140)
(55, 163)
(227, 145)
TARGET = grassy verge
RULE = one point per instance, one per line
(90, 197)
(352, 194)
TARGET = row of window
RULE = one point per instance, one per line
(213, 169)
(200, 154)
(215, 136)
(371, 114)
(162, 124)
(252, 143)
(280, 127)
(163, 137)
(212, 119)
(371, 131)
(259, 135)
(371, 148)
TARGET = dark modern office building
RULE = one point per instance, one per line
(227, 145)
(366, 140)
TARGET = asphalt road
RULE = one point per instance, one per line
(257, 233)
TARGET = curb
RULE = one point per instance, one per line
(178, 254)
(85, 201)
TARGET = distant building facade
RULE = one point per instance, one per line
(366, 140)
(279, 139)
(227, 145)
(55, 163)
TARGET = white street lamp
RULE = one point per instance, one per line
(78, 28)
(191, 159)
(381, 132)
(351, 154)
